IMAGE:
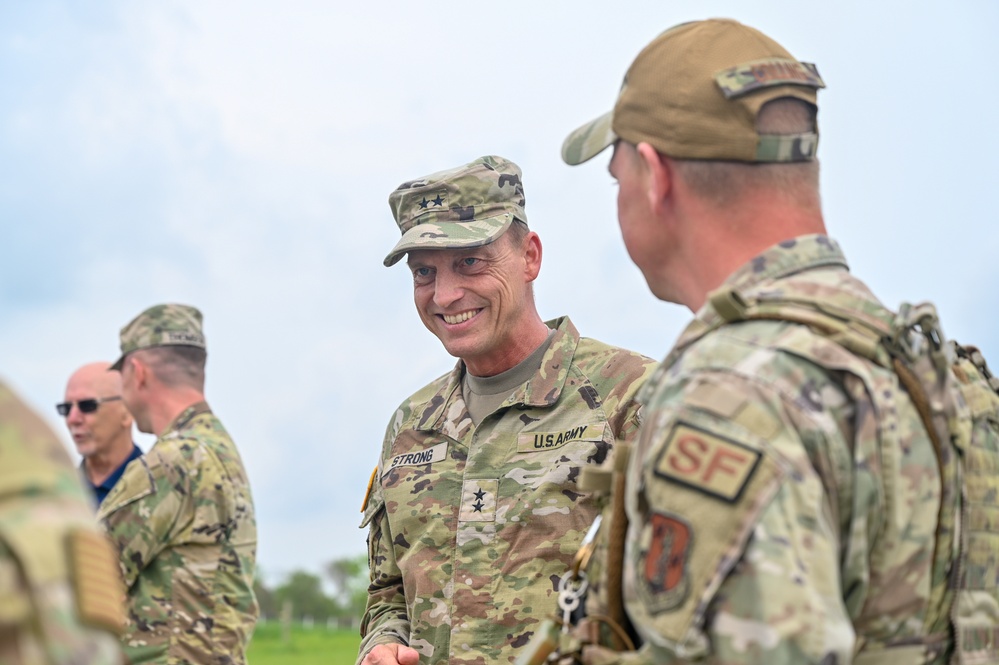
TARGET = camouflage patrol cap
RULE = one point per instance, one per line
(695, 92)
(467, 206)
(162, 325)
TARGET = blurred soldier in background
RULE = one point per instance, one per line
(60, 592)
(182, 515)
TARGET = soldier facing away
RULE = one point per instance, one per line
(789, 500)
(182, 515)
(474, 510)
(60, 592)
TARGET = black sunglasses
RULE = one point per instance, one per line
(84, 405)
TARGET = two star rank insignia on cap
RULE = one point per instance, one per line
(437, 202)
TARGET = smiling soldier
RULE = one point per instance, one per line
(474, 509)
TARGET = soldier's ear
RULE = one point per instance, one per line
(140, 372)
(532, 256)
(658, 176)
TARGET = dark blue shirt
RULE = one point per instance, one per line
(101, 491)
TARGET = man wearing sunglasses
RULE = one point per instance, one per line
(100, 425)
(182, 515)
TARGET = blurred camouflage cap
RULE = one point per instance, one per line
(467, 206)
(695, 92)
(162, 325)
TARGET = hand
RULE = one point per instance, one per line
(392, 654)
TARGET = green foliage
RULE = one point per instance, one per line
(350, 580)
(265, 597)
(306, 646)
(305, 593)
(301, 593)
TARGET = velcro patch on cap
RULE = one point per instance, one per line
(97, 581)
(182, 338)
(767, 73)
(418, 457)
(705, 461)
(532, 442)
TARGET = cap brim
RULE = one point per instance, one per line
(116, 367)
(589, 140)
(450, 235)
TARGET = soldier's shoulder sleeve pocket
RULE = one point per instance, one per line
(706, 477)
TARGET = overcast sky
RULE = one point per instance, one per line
(238, 156)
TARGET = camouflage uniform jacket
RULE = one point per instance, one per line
(60, 592)
(182, 519)
(783, 495)
(472, 527)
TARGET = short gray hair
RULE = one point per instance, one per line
(724, 182)
(176, 366)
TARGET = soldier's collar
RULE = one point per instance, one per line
(187, 415)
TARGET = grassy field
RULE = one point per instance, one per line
(307, 646)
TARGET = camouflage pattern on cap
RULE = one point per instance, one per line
(467, 206)
(162, 325)
(695, 93)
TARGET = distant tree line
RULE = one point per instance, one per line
(302, 594)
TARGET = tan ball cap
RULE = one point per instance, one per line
(695, 92)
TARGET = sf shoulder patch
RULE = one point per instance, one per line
(714, 464)
(706, 482)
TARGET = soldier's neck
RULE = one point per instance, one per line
(171, 404)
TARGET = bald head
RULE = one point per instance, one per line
(107, 431)
(97, 375)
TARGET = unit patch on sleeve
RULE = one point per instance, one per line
(418, 457)
(706, 461)
(665, 580)
(530, 442)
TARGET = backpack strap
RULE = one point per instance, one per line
(617, 535)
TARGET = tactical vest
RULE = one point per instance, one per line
(957, 399)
